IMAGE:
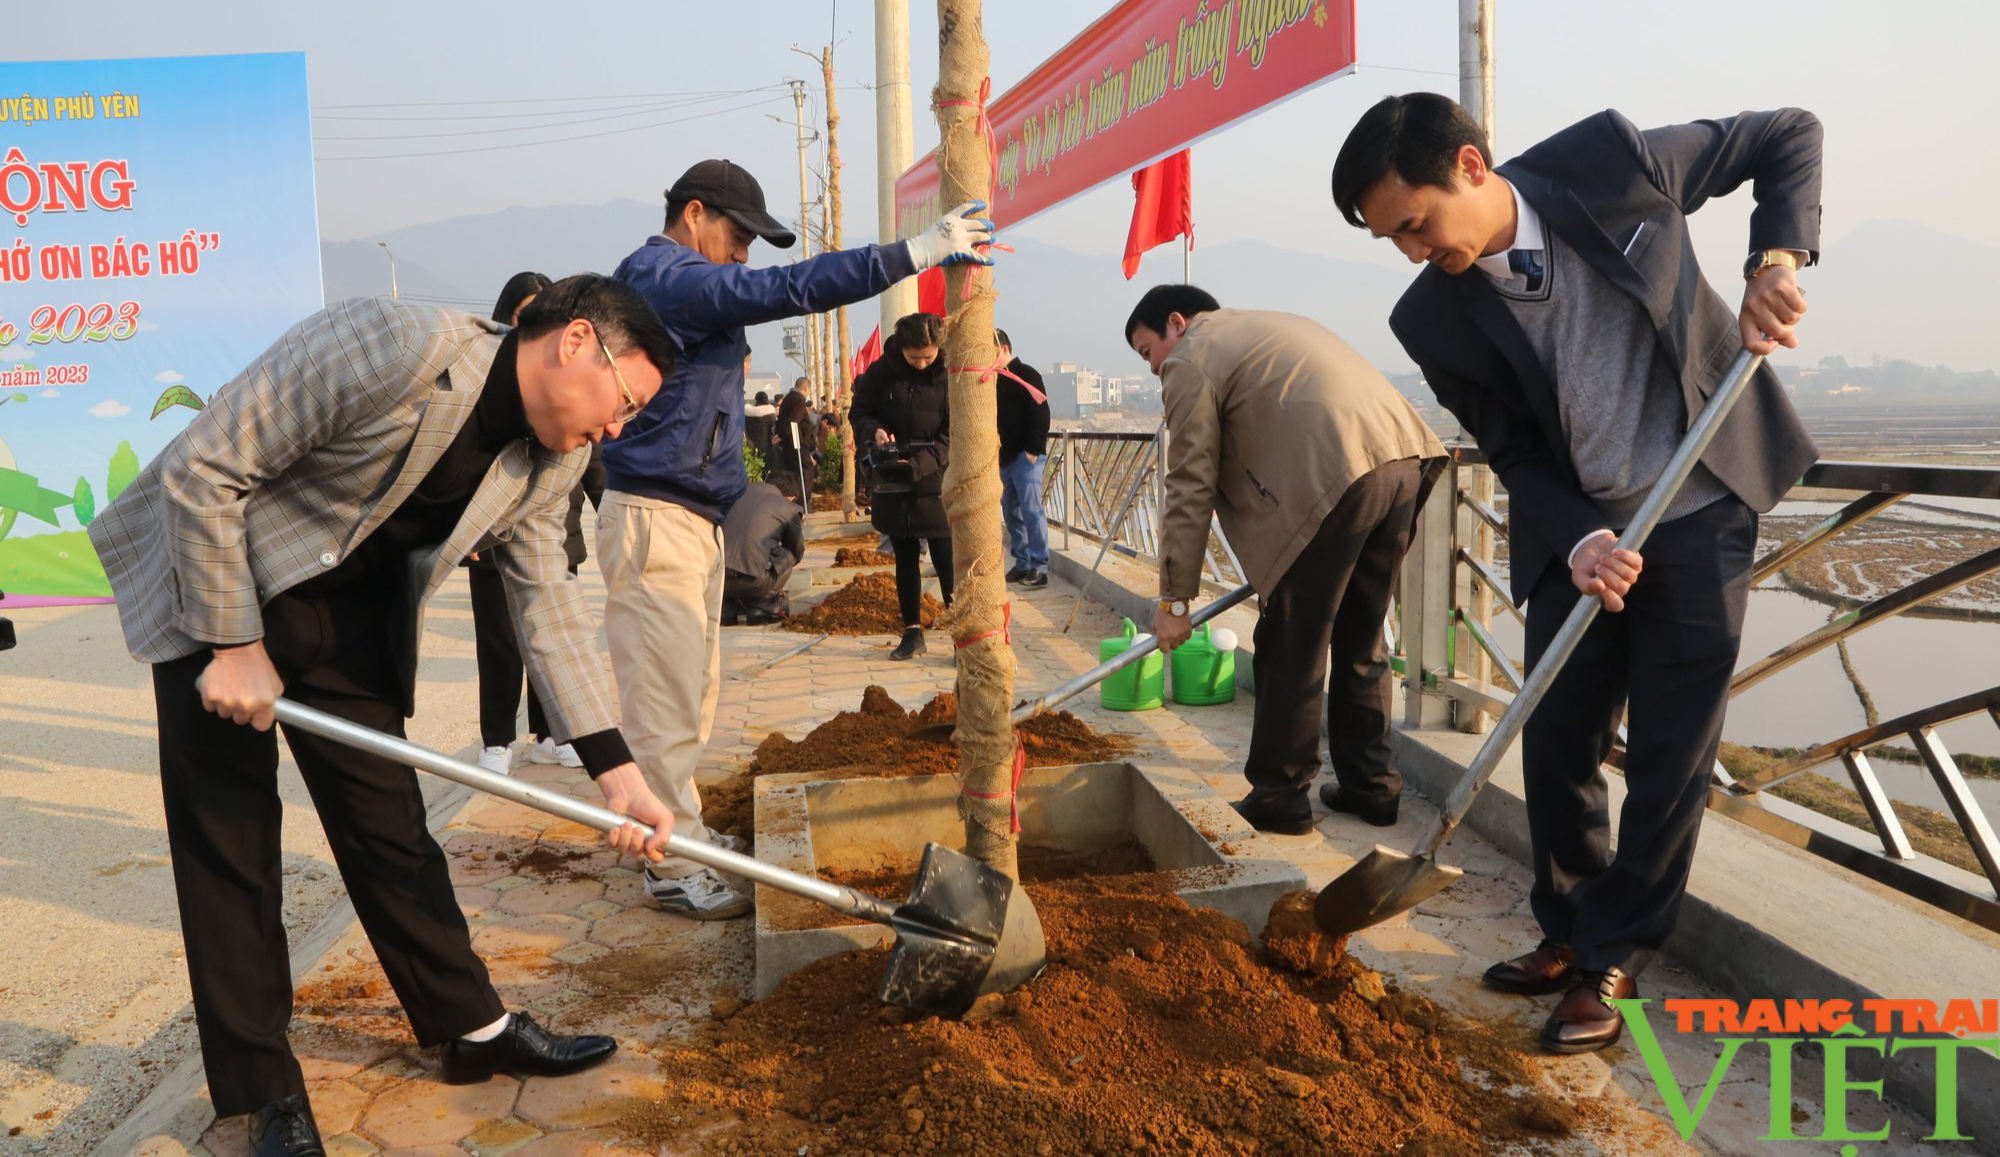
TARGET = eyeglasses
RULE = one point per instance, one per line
(632, 406)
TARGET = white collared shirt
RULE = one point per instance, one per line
(1527, 235)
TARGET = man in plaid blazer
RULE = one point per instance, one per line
(285, 542)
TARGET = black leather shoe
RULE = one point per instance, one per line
(1584, 1021)
(285, 1128)
(911, 646)
(1019, 573)
(523, 1049)
(1273, 816)
(762, 619)
(1036, 580)
(1547, 969)
(1379, 813)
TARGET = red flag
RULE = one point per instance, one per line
(866, 355)
(930, 291)
(1164, 208)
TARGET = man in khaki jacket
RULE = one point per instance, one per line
(1315, 466)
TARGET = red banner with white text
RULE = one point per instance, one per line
(1147, 79)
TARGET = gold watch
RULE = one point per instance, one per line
(1178, 608)
(1765, 258)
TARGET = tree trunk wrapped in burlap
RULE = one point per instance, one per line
(972, 481)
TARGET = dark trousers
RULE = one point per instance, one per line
(744, 594)
(1330, 606)
(219, 780)
(501, 668)
(910, 575)
(1669, 656)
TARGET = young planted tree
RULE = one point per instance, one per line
(972, 482)
(843, 382)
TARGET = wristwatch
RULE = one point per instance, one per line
(1175, 607)
(1763, 259)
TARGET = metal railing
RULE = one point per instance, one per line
(1457, 674)
(1112, 486)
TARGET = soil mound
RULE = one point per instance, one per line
(1155, 1029)
(875, 740)
(866, 606)
(862, 556)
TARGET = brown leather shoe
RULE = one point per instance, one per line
(1547, 969)
(1583, 1021)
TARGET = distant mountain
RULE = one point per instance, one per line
(1888, 289)
(468, 259)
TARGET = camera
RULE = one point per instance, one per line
(891, 464)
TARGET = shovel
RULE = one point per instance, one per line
(1387, 882)
(965, 931)
(1142, 646)
(756, 669)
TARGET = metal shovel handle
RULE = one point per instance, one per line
(1142, 645)
(836, 896)
(1538, 681)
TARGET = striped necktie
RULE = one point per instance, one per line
(1527, 263)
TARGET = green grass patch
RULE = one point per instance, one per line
(60, 565)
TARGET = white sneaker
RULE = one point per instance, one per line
(700, 896)
(729, 843)
(498, 760)
(547, 750)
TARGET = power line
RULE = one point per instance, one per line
(634, 96)
(515, 128)
(556, 141)
(498, 116)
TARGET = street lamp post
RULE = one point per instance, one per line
(392, 270)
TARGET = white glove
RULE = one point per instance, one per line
(958, 236)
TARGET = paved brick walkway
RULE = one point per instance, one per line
(542, 930)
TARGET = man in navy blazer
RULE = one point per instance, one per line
(1564, 321)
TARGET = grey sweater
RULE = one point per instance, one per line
(1620, 401)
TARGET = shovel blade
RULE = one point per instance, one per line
(966, 930)
(1383, 885)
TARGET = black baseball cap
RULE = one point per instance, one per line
(726, 186)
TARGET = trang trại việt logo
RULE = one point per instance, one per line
(1834, 1026)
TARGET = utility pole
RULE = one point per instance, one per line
(894, 137)
(1475, 93)
(805, 227)
(841, 383)
(835, 231)
(1475, 64)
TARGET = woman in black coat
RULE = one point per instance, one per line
(903, 400)
(501, 668)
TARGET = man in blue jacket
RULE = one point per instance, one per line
(672, 475)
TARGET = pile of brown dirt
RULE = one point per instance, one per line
(1156, 1028)
(866, 606)
(825, 501)
(875, 740)
(862, 556)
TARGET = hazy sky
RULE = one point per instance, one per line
(1905, 90)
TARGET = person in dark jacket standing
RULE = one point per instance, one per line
(1024, 447)
(903, 401)
(795, 450)
(1564, 321)
(501, 668)
(760, 423)
(673, 474)
(762, 540)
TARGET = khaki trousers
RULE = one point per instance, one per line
(663, 576)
